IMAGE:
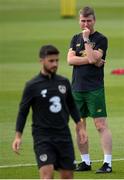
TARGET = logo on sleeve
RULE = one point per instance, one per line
(78, 45)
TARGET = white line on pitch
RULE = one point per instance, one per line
(28, 165)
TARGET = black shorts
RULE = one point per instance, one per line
(56, 151)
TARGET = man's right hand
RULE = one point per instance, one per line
(17, 143)
(100, 63)
(86, 33)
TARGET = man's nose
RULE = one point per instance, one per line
(86, 24)
(55, 63)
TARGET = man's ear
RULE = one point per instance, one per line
(40, 59)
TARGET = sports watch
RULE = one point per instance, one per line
(87, 41)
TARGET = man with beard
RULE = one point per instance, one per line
(50, 97)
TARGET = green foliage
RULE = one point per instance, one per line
(25, 25)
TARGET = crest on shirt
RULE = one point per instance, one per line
(43, 92)
(43, 157)
(62, 89)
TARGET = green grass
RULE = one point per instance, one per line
(20, 173)
(25, 25)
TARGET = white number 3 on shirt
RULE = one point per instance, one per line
(56, 106)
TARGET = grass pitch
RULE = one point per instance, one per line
(25, 26)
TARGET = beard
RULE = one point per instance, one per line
(50, 71)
